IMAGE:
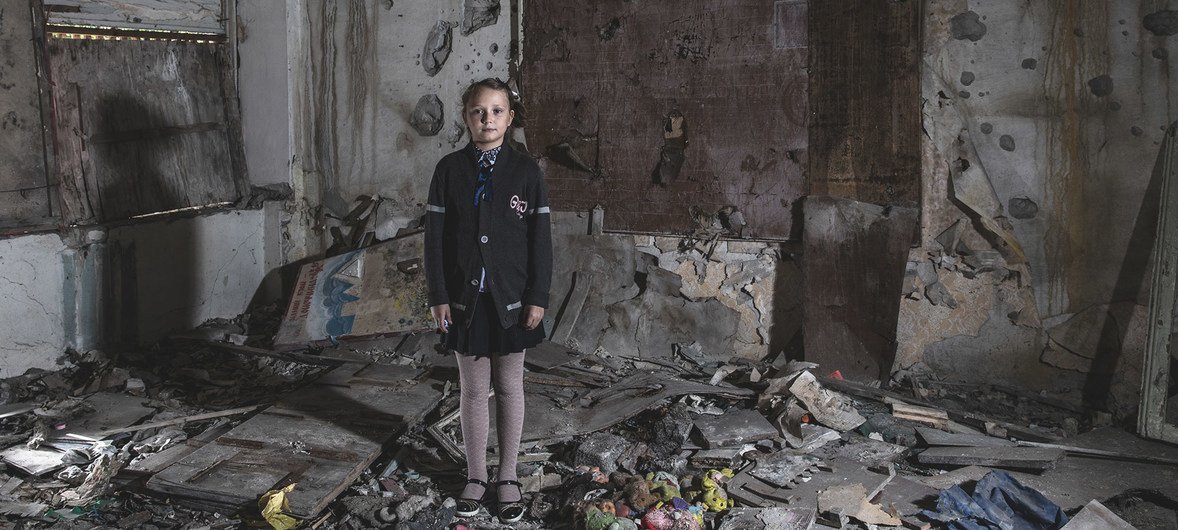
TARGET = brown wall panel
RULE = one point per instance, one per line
(865, 99)
(142, 127)
(602, 78)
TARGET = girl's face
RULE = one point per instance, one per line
(487, 116)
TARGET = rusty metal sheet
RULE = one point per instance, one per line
(653, 108)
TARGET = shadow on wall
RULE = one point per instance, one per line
(150, 269)
(785, 334)
(1110, 356)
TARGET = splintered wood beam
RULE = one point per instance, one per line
(1155, 373)
(175, 421)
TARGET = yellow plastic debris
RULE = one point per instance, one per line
(273, 503)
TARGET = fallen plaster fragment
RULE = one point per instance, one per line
(976, 193)
(427, 116)
(773, 518)
(851, 501)
(437, 48)
(829, 408)
(785, 469)
(1095, 516)
(735, 427)
(478, 14)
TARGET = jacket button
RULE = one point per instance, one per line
(483, 239)
(474, 282)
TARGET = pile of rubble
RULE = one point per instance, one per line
(213, 431)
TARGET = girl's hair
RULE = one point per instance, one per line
(493, 83)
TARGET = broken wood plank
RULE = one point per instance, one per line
(1004, 457)
(175, 421)
(291, 356)
(16, 409)
(927, 415)
(938, 438)
(1155, 373)
(1114, 455)
(322, 437)
(563, 330)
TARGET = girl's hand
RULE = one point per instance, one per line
(441, 315)
(531, 316)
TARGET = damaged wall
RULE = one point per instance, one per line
(654, 110)
(34, 301)
(650, 296)
(131, 284)
(367, 101)
(262, 76)
(173, 275)
(1044, 121)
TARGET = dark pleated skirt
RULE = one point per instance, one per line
(484, 336)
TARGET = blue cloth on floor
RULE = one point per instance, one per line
(998, 502)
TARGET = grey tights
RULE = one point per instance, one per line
(475, 375)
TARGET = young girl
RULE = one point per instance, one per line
(488, 258)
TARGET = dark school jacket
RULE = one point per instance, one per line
(511, 231)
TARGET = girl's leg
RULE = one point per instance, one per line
(474, 385)
(509, 418)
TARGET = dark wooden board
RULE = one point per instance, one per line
(853, 275)
(1006, 457)
(321, 437)
(142, 127)
(939, 438)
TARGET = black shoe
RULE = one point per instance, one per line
(471, 507)
(511, 512)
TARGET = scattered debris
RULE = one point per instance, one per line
(365, 435)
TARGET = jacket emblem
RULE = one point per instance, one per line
(519, 206)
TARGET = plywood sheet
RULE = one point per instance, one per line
(865, 128)
(143, 127)
(603, 80)
(24, 191)
(321, 437)
(379, 290)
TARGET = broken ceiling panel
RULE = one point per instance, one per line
(708, 66)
